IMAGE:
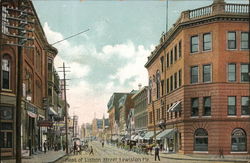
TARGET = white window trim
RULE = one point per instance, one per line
(240, 72)
(211, 73)
(239, 152)
(10, 67)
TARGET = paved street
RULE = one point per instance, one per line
(111, 154)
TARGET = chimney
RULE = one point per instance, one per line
(219, 1)
(139, 86)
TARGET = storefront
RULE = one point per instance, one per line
(6, 130)
(167, 139)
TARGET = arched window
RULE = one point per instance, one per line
(239, 140)
(150, 85)
(158, 81)
(200, 140)
(6, 72)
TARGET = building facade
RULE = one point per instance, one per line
(35, 54)
(140, 110)
(199, 82)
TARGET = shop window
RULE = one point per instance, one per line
(194, 44)
(244, 41)
(201, 140)
(6, 71)
(231, 72)
(245, 72)
(239, 140)
(194, 106)
(207, 42)
(207, 106)
(245, 109)
(231, 40)
(194, 74)
(231, 105)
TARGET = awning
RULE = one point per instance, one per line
(52, 111)
(175, 107)
(134, 137)
(31, 114)
(168, 133)
(149, 135)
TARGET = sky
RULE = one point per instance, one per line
(110, 56)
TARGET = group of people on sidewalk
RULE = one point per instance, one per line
(55, 147)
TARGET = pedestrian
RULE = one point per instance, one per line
(102, 143)
(75, 147)
(91, 151)
(45, 146)
(157, 150)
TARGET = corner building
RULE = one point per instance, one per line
(199, 82)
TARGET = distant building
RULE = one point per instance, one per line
(140, 110)
(199, 82)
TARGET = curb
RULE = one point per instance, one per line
(205, 159)
(57, 159)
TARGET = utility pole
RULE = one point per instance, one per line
(65, 105)
(20, 15)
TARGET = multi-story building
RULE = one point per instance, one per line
(199, 82)
(97, 127)
(140, 110)
(35, 54)
(125, 104)
(114, 114)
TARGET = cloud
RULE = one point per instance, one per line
(121, 67)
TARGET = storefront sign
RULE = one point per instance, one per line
(44, 123)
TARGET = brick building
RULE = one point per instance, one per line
(199, 82)
(35, 59)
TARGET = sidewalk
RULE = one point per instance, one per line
(50, 156)
(195, 157)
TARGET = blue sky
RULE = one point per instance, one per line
(110, 57)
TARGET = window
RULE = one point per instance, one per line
(6, 140)
(201, 140)
(231, 40)
(6, 113)
(175, 80)
(207, 45)
(180, 78)
(150, 84)
(206, 73)
(6, 69)
(168, 60)
(158, 78)
(50, 65)
(244, 72)
(245, 109)
(6, 128)
(150, 117)
(162, 87)
(171, 83)
(5, 21)
(244, 41)
(231, 72)
(175, 53)
(195, 106)
(239, 140)
(231, 105)
(171, 57)
(162, 64)
(207, 106)
(168, 85)
(194, 74)
(179, 48)
(194, 44)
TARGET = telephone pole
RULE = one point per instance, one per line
(65, 105)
